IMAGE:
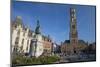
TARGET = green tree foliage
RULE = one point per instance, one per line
(23, 60)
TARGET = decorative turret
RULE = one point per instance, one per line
(18, 20)
(37, 30)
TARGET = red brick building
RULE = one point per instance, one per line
(47, 44)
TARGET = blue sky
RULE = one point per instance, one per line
(55, 19)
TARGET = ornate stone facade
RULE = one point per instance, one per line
(25, 41)
(47, 43)
(70, 46)
(21, 37)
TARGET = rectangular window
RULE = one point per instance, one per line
(18, 33)
(23, 41)
(23, 33)
(27, 45)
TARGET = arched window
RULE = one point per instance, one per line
(17, 40)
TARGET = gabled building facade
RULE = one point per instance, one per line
(25, 41)
(21, 37)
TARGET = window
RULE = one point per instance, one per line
(27, 45)
(21, 47)
(72, 15)
(17, 39)
(73, 26)
(18, 33)
(25, 29)
(72, 19)
(23, 33)
(15, 48)
(23, 41)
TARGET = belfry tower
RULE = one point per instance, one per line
(73, 30)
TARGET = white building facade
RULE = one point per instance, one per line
(24, 40)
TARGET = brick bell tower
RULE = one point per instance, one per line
(73, 30)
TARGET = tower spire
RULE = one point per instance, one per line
(73, 28)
